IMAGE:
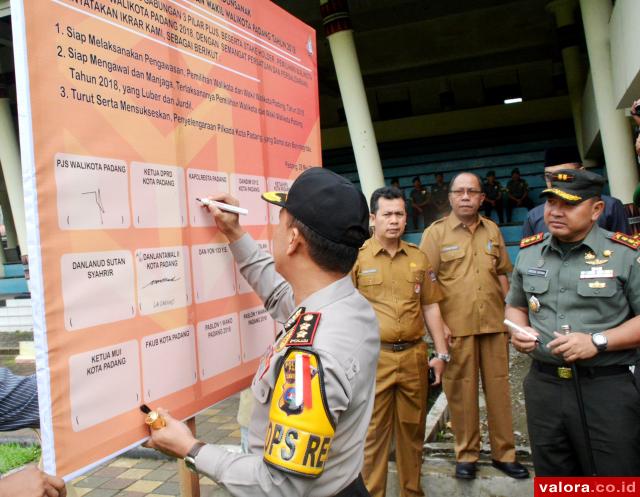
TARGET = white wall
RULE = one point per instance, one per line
(624, 30)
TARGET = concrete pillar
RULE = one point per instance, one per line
(617, 140)
(337, 26)
(10, 159)
(568, 36)
(9, 227)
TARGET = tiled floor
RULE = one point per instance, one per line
(129, 477)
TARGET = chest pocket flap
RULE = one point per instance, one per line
(451, 255)
(368, 278)
(535, 284)
(596, 289)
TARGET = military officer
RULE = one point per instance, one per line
(581, 276)
(314, 389)
(398, 281)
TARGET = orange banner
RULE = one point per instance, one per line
(129, 111)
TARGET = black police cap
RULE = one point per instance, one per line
(575, 185)
(328, 204)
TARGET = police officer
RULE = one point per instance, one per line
(614, 217)
(398, 281)
(314, 387)
(587, 278)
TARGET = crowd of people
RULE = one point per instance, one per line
(356, 302)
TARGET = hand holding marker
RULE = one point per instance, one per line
(520, 329)
(224, 207)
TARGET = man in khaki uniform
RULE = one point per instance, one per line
(471, 263)
(398, 281)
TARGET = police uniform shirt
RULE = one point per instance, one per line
(467, 267)
(614, 218)
(347, 342)
(397, 288)
(594, 287)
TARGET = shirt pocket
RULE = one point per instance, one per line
(370, 285)
(535, 285)
(262, 387)
(415, 280)
(584, 290)
(596, 314)
(450, 263)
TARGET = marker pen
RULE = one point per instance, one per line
(223, 206)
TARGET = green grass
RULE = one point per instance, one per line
(15, 455)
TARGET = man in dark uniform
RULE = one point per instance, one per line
(517, 193)
(440, 196)
(492, 196)
(314, 389)
(420, 203)
(586, 278)
(614, 217)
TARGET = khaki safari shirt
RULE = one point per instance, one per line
(467, 267)
(594, 287)
(397, 288)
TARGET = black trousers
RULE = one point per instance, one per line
(355, 489)
(612, 407)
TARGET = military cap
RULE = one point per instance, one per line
(561, 155)
(327, 204)
(575, 185)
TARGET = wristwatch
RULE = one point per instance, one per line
(190, 458)
(600, 341)
(442, 357)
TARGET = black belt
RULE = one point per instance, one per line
(399, 346)
(565, 373)
(355, 489)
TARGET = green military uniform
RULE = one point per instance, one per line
(592, 285)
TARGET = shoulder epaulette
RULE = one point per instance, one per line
(531, 240)
(441, 220)
(304, 331)
(629, 241)
(412, 245)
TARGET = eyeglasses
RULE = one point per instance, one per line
(469, 191)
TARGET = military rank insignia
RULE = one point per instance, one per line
(531, 240)
(629, 241)
(304, 331)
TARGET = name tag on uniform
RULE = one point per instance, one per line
(449, 248)
(595, 273)
(368, 271)
(536, 271)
